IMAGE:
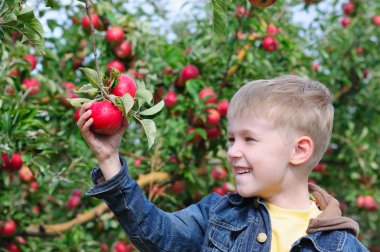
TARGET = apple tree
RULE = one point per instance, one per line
(215, 48)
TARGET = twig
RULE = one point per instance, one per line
(92, 29)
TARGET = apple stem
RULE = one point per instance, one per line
(101, 86)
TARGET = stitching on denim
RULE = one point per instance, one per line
(342, 240)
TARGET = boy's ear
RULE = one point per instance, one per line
(303, 149)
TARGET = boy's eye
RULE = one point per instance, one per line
(248, 139)
(231, 139)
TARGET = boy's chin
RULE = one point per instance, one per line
(245, 193)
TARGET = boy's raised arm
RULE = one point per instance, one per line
(104, 147)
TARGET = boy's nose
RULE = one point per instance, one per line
(234, 152)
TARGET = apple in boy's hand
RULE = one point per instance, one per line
(107, 117)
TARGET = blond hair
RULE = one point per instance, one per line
(294, 105)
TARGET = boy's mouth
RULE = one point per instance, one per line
(242, 170)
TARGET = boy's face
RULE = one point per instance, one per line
(259, 156)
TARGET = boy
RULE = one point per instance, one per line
(278, 130)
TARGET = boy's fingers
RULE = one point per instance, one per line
(83, 119)
(85, 107)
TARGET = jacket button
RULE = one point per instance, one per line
(261, 237)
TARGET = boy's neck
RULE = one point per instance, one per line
(296, 198)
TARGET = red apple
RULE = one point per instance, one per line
(219, 190)
(196, 138)
(108, 118)
(345, 22)
(125, 84)
(115, 35)
(32, 85)
(73, 202)
(213, 116)
(269, 44)
(26, 174)
(240, 12)
(77, 192)
(348, 8)
(77, 61)
(21, 240)
(120, 246)
(271, 29)
(321, 168)
(12, 164)
(124, 50)
(173, 159)
(213, 133)
(376, 20)
(208, 95)
(370, 203)
(118, 65)
(187, 73)
(359, 50)
(170, 99)
(219, 173)
(36, 210)
(316, 66)
(104, 247)
(14, 72)
(139, 75)
(365, 73)
(137, 162)
(168, 71)
(223, 107)
(312, 181)
(228, 187)
(262, 3)
(177, 187)
(86, 22)
(77, 114)
(12, 247)
(32, 61)
(33, 186)
(8, 229)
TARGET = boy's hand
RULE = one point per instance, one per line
(104, 147)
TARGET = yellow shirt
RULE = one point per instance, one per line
(289, 225)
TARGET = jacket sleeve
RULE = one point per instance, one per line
(354, 245)
(148, 227)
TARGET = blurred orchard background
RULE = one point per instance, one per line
(194, 56)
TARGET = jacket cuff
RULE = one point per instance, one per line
(108, 185)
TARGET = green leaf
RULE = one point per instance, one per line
(32, 30)
(92, 76)
(128, 103)
(153, 110)
(87, 89)
(8, 19)
(140, 84)
(219, 8)
(78, 102)
(150, 130)
(143, 95)
(191, 87)
(50, 3)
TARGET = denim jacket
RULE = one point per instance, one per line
(216, 223)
